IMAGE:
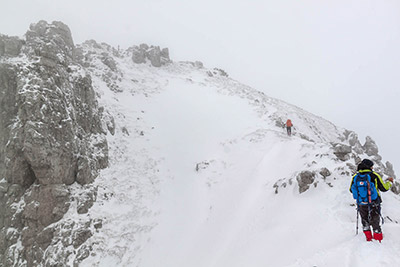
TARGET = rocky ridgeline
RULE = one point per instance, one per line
(143, 52)
(101, 60)
(349, 153)
(51, 137)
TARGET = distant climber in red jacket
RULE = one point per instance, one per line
(289, 125)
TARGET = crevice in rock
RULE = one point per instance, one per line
(30, 176)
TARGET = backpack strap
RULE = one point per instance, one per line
(369, 189)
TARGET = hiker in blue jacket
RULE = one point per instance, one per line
(366, 186)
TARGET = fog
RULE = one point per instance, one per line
(338, 59)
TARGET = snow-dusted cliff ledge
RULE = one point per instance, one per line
(51, 136)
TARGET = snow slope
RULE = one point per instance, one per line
(202, 174)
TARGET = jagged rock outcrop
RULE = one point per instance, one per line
(156, 56)
(304, 180)
(342, 151)
(354, 142)
(90, 53)
(52, 43)
(51, 136)
(217, 72)
(109, 62)
(10, 46)
(370, 148)
(325, 172)
(389, 171)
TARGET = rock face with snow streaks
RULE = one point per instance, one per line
(10, 46)
(50, 137)
(157, 56)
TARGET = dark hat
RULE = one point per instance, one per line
(368, 163)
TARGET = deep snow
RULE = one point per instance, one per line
(194, 161)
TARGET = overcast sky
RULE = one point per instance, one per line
(339, 59)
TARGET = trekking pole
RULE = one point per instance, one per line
(357, 221)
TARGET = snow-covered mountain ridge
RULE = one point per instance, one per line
(202, 173)
(226, 169)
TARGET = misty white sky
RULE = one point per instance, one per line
(339, 59)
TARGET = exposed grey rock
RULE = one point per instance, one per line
(305, 137)
(395, 188)
(48, 136)
(143, 47)
(357, 148)
(52, 43)
(388, 170)
(304, 180)
(217, 72)
(138, 56)
(156, 56)
(126, 132)
(45, 237)
(199, 64)
(282, 183)
(85, 201)
(202, 165)
(83, 253)
(8, 109)
(354, 142)
(10, 46)
(352, 167)
(220, 72)
(378, 159)
(51, 136)
(110, 123)
(325, 172)
(165, 53)
(279, 123)
(90, 52)
(346, 134)
(46, 205)
(341, 151)
(97, 224)
(370, 147)
(81, 236)
(109, 62)
(352, 137)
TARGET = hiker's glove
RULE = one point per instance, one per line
(390, 179)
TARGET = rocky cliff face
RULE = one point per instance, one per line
(51, 137)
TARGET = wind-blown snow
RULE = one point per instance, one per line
(194, 161)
